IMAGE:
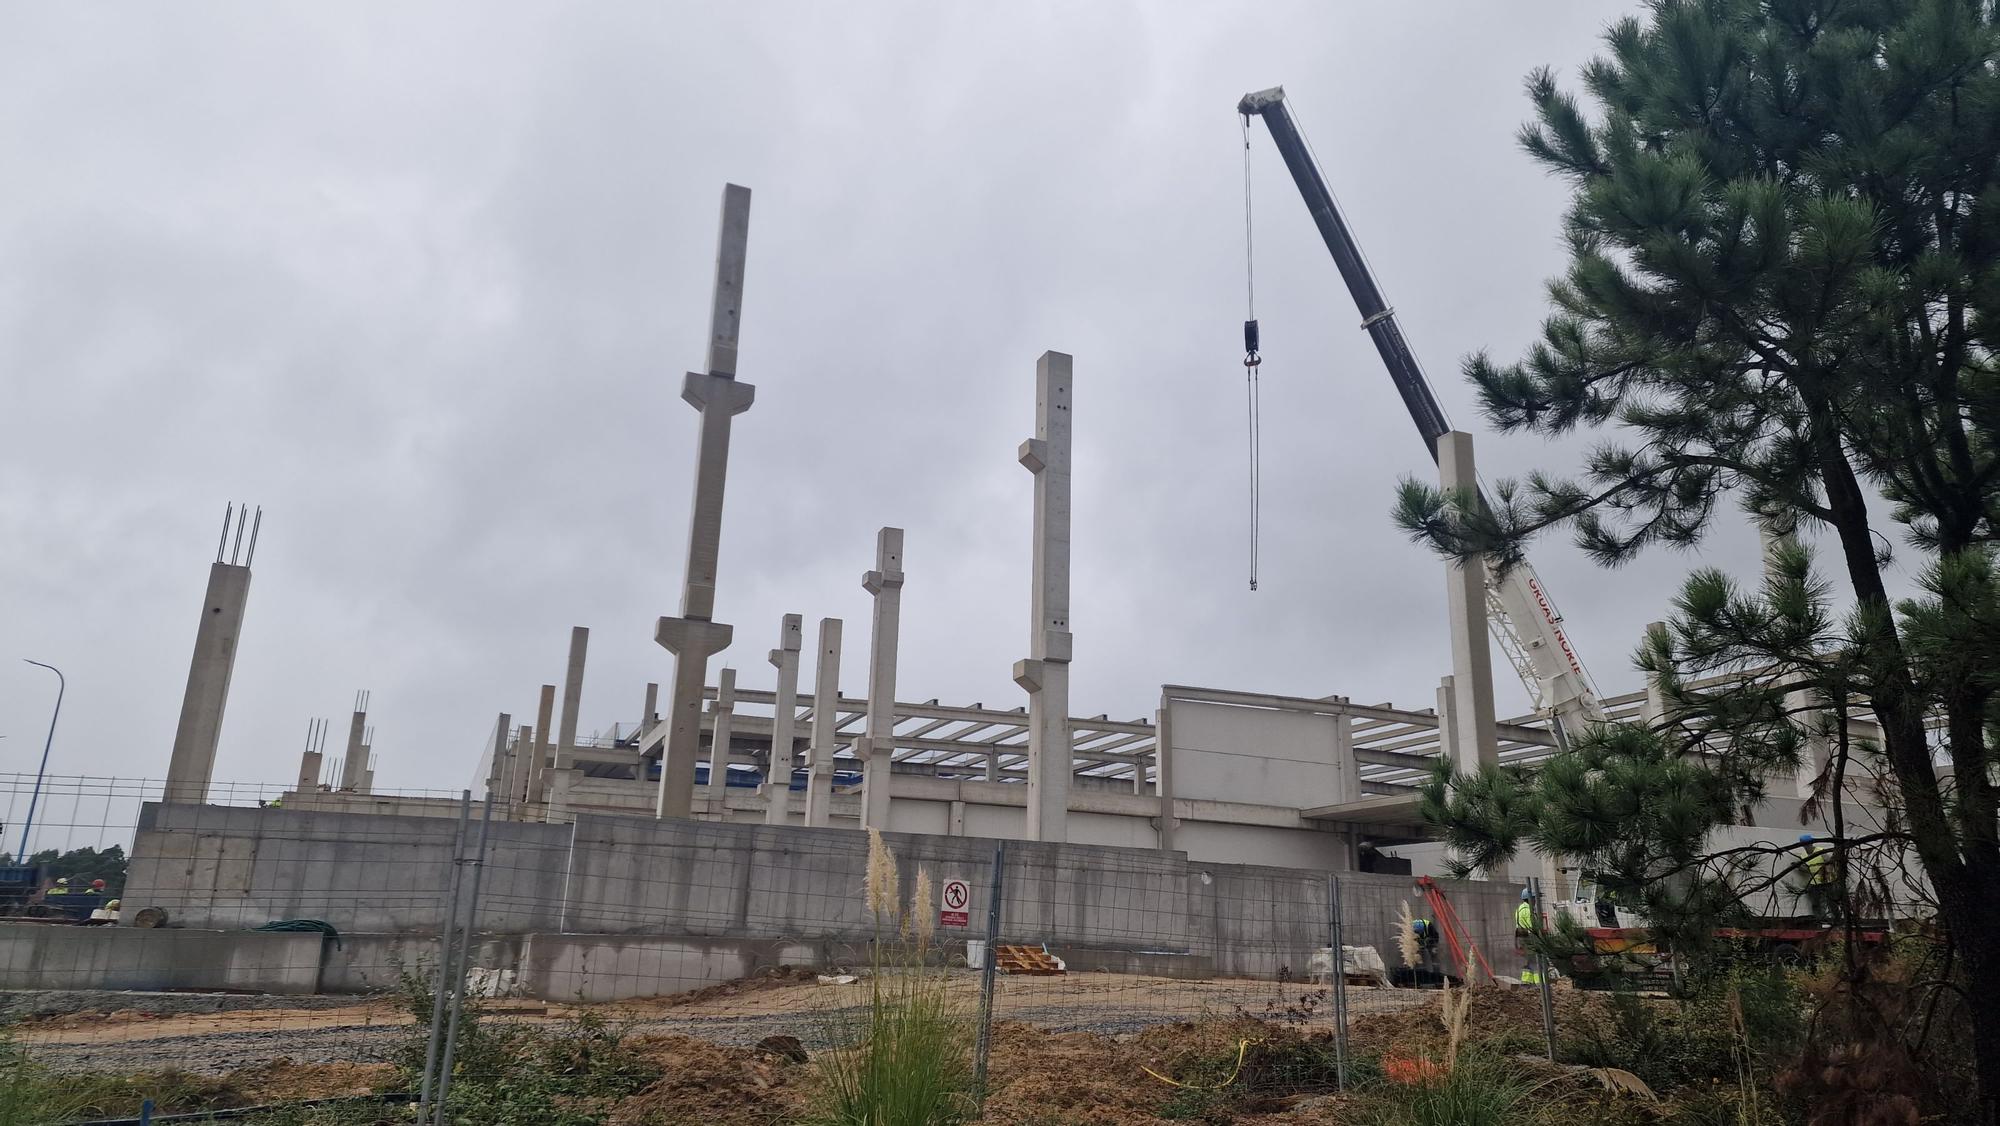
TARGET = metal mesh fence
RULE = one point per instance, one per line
(339, 935)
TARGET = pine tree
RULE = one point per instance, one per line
(1783, 291)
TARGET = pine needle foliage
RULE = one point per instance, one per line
(1782, 297)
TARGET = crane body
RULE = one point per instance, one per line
(1525, 619)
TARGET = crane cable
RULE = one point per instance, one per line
(1251, 361)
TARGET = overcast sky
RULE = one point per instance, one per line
(422, 282)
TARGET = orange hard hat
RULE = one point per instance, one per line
(97, 884)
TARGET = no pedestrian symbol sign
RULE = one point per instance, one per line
(955, 902)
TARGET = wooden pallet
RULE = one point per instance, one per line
(1030, 960)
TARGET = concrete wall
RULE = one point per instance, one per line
(47, 957)
(618, 906)
(1255, 755)
(231, 867)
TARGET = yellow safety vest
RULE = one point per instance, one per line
(1819, 864)
(1524, 916)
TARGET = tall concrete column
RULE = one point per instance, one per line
(877, 748)
(192, 764)
(1447, 713)
(524, 774)
(695, 636)
(784, 714)
(826, 716)
(538, 765)
(1045, 674)
(1163, 774)
(1471, 653)
(579, 647)
(354, 768)
(722, 728)
(496, 777)
(651, 713)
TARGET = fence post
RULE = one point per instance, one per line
(1338, 980)
(988, 970)
(444, 956)
(1542, 969)
(464, 953)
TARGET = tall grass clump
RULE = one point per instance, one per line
(904, 1058)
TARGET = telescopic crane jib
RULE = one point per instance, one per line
(1524, 618)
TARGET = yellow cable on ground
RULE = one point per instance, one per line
(1242, 1047)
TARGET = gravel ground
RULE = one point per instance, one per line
(811, 1013)
(216, 1053)
(28, 1004)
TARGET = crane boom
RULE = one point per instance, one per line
(1526, 619)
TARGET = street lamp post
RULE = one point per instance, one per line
(61, 684)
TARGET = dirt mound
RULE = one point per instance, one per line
(1039, 1077)
(714, 1085)
(281, 1080)
(775, 977)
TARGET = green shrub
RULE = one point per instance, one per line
(905, 1058)
(1479, 1091)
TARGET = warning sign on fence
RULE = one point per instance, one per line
(955, 903)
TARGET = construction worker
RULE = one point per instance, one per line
(1821, 889)
(1529, 976)
(61, 888)
(97, 887)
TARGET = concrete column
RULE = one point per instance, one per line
(496, 776)
(538, 765)
(778, 771)
(722, 722)
(524, 773)
(1163, 774)
(354, 770)
(956, 826)
(1447, 713)
(192, 765)
(651, 713)
(1349, 786)
(826, 714)
(1471, 652)
(579, 645)
(1045, 674)
(1654, 711)
(993, 766)
(694, 636)
(311, 760)
(877, 748)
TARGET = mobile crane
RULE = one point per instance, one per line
(1523, 617)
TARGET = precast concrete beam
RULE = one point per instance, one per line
(778, 774)
(825, 718)
(1465, 599)
(875, 750)
(192, 764)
